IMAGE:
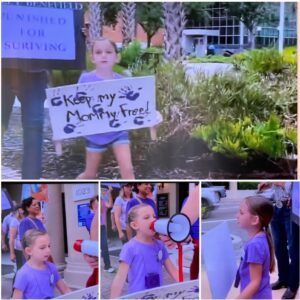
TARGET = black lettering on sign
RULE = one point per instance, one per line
(56, 101)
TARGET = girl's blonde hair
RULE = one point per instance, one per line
(101, 39)
(133, 212)
(30, 237)
(263, 208)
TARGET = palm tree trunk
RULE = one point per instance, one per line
(128, 18)
(96, 20)
(174, 22)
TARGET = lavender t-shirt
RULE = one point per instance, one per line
(101, 138)
(30, 223)
(142, 259)
(37, 284)
(257, 251)
(123, 204)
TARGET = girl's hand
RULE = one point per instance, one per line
(170, 244)
(62, 287)
(121, 235)
(13, 257)
(91, 260)
(4, 247)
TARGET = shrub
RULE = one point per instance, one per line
(261, 61)
(244, 137)
(211, 59)
(290, 55)
(233, 95)
(130, 54)
(246, 185)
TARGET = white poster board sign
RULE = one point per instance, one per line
(83, 191)
(182, 290)
(103, 106)
(87, 293)
(219, 259)
(37, 33)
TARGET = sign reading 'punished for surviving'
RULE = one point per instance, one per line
(102, 106)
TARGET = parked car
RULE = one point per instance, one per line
(217, 188)
(209, 201)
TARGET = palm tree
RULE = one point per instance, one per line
(96, 20)
(174, 23)
(128, 18)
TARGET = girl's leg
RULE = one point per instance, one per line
(92, 162)
(123, 156)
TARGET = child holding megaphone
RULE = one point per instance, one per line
(143, 257)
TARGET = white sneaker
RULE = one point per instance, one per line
(110, 270)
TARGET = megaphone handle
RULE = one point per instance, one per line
(97, 276)
(180, 270)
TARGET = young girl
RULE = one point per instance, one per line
(38, 278)
(255, 216)
(104, 56)
(143, 256)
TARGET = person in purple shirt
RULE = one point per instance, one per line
(31, 209)
(104, 56)
(143, 257)
(38, 278)
(254, 216)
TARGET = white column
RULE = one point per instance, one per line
(241, 35)
(281, 28)
(233, 186)
(77, 270)
(54, 224)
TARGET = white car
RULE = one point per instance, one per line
(209, 201)
(216, 188)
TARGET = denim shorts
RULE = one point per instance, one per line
(122, 139)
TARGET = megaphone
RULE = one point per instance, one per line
(87, 247)
(178, 227)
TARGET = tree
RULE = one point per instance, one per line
(197, 12)
(174, 23)
(128, 18)
(250, 13)
(96, 20)
(149, 16)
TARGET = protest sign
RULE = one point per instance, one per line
(87, 293)
(30, 38)
(183, 290)
(219, 260)
(102, 106)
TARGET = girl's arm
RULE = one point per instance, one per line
(191, 208)
(62, 287)
(110, 203)
(17, 294)
(94, 227)
(118, 211)
(255, 279)
(171, 269)
(119, 280)
(12, 238)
